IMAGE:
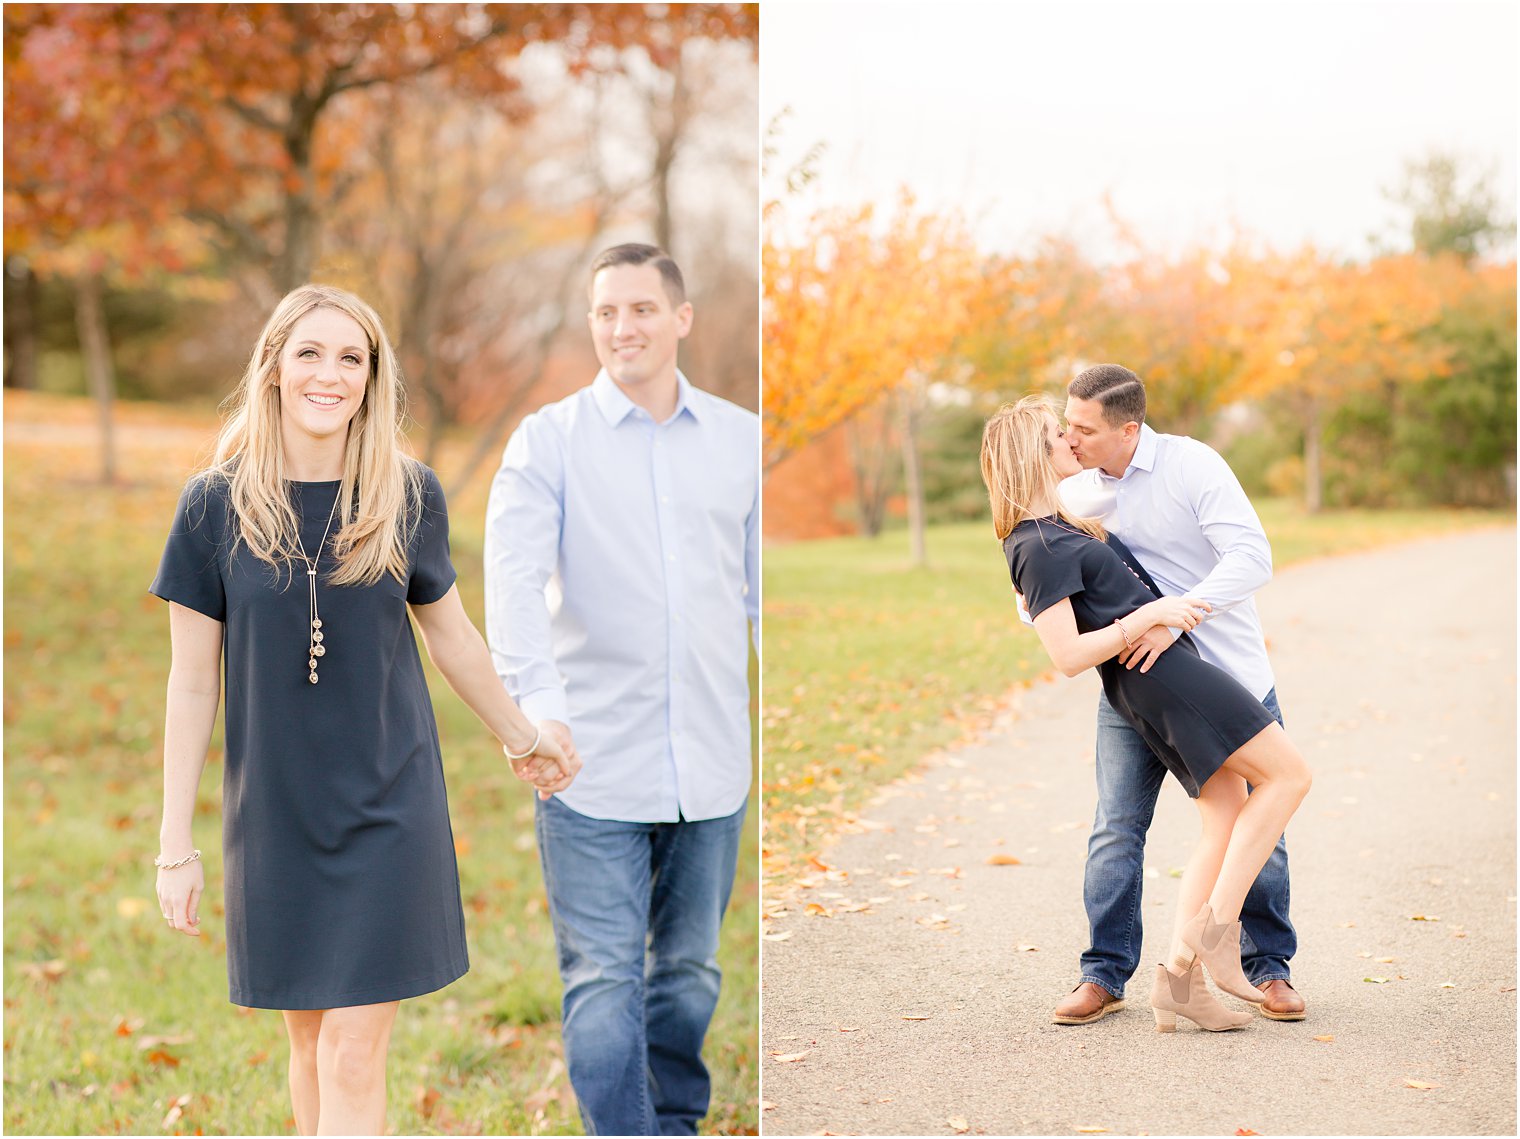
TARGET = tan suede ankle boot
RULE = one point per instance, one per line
(1218, 946)
(1188, 995)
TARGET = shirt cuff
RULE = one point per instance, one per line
(545, 704)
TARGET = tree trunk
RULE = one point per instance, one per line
(1313, 488)
(914, 484)
(20, 324)
(870, 462)
(95, 345)
(295, 262)
(668, 130)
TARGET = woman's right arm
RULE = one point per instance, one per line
(1073, 652)
(193, 694)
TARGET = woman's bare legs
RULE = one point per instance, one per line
(303, 1026)
(1280, 779)
(351, 1051)
(1219, 803)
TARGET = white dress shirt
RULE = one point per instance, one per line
(622, 562)
(1183, 513)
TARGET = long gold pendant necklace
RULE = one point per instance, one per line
(317, 648)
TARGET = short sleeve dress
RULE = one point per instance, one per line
(1191, 715)
(341, 883)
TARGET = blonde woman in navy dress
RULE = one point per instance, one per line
(1089, 598)
(294, 561)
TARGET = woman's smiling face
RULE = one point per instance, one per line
(324, 369)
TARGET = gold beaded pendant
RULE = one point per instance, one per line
(315, 648)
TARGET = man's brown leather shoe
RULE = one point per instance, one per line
(1283, 1001)
(1086, 1003)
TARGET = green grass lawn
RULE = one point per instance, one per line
(870, 664)
(110, 1019)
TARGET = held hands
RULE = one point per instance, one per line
(554, 764)
(179, 897)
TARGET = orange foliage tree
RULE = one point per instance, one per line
(853, 310)
(1312, 331)
(222, 113)
(1173, 319)
(1030, 318)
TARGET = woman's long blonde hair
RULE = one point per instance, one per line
(381, 490)
(1017, 469)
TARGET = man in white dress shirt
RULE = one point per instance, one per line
(1177, 505)
(622, 579)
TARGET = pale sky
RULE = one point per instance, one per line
(1287, 118)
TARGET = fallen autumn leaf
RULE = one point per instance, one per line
(176, 1110)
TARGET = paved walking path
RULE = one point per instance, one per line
(928, 1011)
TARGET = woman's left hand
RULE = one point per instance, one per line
(1147, 648)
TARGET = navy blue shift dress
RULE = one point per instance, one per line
(342, 888)
(1191, 715)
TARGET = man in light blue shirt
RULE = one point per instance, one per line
(1177, 505)
(622, 578)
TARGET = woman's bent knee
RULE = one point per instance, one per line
(1293, 776)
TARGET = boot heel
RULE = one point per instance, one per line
(1165, 1021)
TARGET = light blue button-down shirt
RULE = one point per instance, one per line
(1183, 513)
(622, 562)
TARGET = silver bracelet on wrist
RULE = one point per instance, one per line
(533, 747)
(185, 861)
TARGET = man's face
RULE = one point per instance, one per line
(634, 326)
(1094, 442)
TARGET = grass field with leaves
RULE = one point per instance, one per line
(113, 1024)
(871, 663)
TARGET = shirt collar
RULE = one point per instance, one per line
(1144, 458)
(615, 406)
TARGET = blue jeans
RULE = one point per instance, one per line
(636, 909)
(1129, 779)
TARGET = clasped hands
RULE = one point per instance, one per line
(1169, 613)
(554, 765)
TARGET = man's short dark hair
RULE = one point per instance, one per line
(1120, 391)
(636, 254)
